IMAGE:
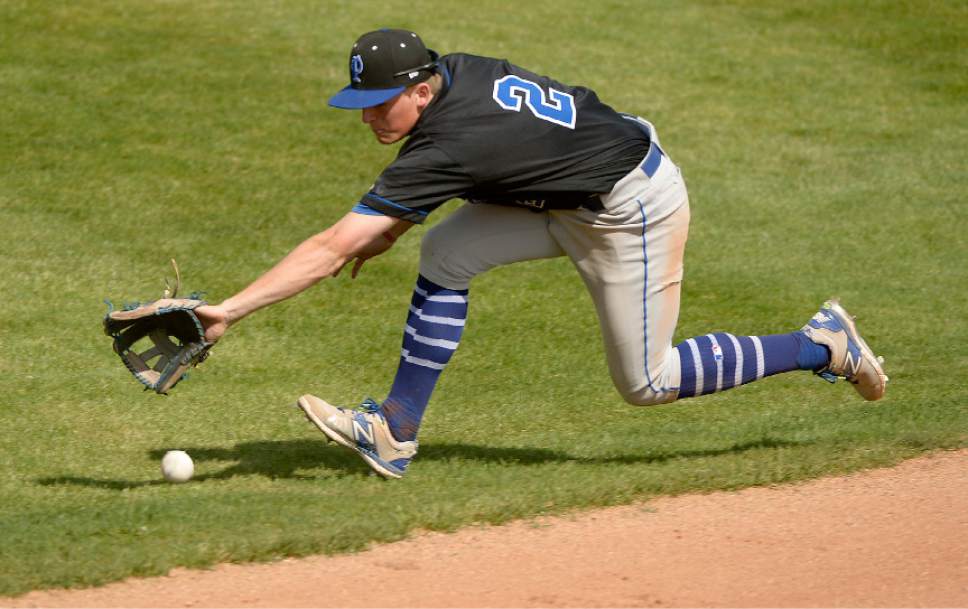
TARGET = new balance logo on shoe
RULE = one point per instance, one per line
(363, 432)
(851, 364)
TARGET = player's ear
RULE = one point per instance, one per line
(422, 94)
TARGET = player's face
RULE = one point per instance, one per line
(392, 120)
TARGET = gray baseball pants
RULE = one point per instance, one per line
(629, 254)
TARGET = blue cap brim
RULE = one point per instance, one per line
(349, 98)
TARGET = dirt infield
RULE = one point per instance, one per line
(884, 538)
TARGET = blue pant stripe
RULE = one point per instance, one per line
(645, 305)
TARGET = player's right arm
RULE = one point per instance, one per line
(356, 237)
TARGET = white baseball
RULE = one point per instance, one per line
(177, 466)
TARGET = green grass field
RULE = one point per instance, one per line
(824, 148)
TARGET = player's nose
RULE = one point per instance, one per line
(368, 115)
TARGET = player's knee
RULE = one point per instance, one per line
(646, 395)
(440, 260)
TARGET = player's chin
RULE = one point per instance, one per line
(387, 137)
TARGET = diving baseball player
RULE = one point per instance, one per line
(546, 169)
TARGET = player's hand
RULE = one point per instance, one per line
(376, 247)
(215, 319)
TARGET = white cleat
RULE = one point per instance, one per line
(364, 431)
(850, 357)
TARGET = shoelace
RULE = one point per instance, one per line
(370, 405)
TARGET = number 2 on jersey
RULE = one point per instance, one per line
(557, 107)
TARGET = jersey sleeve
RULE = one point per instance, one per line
(421, 179)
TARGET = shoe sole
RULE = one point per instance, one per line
(867, 353)
(375, 465)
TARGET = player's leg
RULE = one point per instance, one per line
(434, 326)
(829, 345)
(633, 271)
(472, 240)
(631, 261)
(630, 257)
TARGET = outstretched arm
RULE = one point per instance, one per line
(355, 236)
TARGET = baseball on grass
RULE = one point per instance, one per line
(177, 466)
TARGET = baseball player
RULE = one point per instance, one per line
(546, 169)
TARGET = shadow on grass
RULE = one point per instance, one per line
(282, 459)
(537, 456)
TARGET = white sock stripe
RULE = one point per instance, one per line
(459, 298)
(738, 377)
(419, 361)
(697, 364)
(760, 363)
(433, 342)
(719, 362)
(447, 321)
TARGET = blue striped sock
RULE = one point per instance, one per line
(433, 331)
(719, 361)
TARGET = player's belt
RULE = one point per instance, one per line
(650, 165)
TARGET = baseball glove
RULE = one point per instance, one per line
(174, 339)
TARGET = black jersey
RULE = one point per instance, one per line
(497, 133)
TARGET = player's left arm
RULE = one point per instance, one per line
(376, 244)
(356, 237)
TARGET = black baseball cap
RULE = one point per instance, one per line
(382, 64)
